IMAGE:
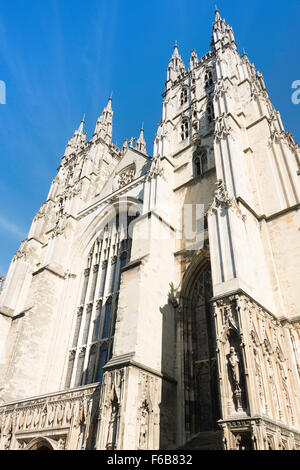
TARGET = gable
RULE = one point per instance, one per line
(133, 165)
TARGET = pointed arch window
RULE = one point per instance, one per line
(94, 325)
(208, 79)
(210, 112)
(200, 162)
(183, 96)
(184, 134)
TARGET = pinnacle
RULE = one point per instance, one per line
(109, 103)
(217, 14)
(80, 129)
(175, 52)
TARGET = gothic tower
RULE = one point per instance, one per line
(125, 326)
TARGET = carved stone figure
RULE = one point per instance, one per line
(61, 444)
(144, 425)
(113, 426)
(273, 389)
(234, 363)
(259, 380)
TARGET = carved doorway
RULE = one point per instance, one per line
(201, 392)
(41, 443)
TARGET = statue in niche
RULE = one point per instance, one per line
(234, 366)
(284, 387)
(7, 435)
(259, 380)
(44, 415)
(270, 445)
(144, 426)
(239, 442)
(113, 426)
(273, 387)
(234, 363)
(243, 441)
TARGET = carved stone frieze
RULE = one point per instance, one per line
(60, 414)
(251, 338)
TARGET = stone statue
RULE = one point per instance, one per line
(239, 443)
(112, 426)
(144, 424)
(234, 363)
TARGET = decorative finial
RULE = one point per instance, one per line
(80, 129)
(217, 13)
(142, 126)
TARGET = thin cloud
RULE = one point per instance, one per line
(11, 228)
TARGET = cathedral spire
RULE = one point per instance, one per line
(77, 140)
(80, 129)
(217, 15)
(104, 124)
(176, 66)
(141, 143)
(175, 51)
(222, 34)
(109, 108)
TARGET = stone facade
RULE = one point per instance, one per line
(122, 327)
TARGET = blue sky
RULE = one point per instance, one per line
(62, 58)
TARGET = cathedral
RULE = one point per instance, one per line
(155, 301)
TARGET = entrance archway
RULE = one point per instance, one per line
(41, 443)
(201, 401)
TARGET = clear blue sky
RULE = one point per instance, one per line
(62, 58)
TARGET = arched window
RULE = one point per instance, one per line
(184, 129)
(200, 162)
(96, 315)
(210, 112)
(208, 79)
(183, 96)
(197, 166)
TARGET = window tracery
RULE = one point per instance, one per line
(96, 314)
(210, 112)
(183, 96)
(208, 79)
(184, 129)
(200, 162)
